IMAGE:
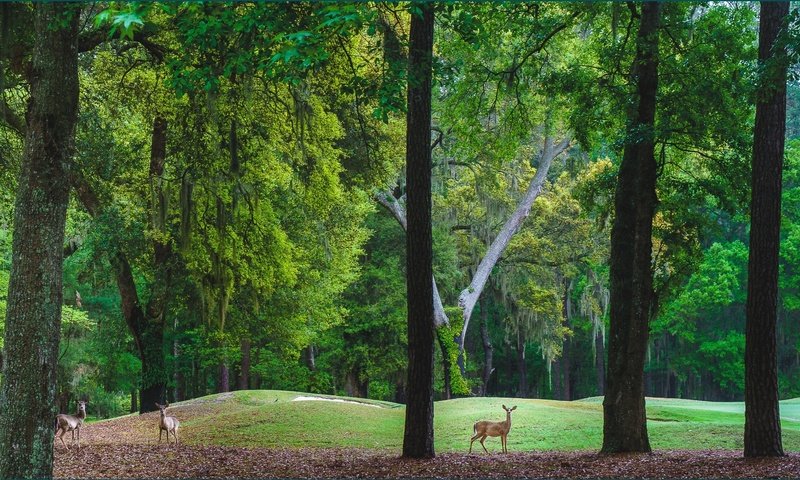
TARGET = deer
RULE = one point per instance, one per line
(71, 423)
(485, 428)
(170, 424)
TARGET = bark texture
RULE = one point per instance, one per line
(762, 431)
(418, 436)
(33, 316)
(624, 419)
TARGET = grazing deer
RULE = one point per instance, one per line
(170, 424)
(485, 428)
(71, 423)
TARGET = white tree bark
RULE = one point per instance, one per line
(469, 296)
(392, 204)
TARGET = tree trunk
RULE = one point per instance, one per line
(134, 400)
(33, 315)
(599, 361)
(488, 350)
(244, 374)
(418, 435)
(624, 417)
(223, 378)
(762, 432)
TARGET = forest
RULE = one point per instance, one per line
(199, 198)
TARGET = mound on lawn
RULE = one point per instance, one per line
(268, 418)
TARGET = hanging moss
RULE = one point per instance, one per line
(447, 339)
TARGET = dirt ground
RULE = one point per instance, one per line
(128, 448)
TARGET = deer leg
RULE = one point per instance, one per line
(160, 432)
(62, 438)
(482, 445)
(505, 444)
(79, 438)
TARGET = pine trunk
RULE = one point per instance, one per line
(418, 436)
(33, 315)
(762, 432)
(624, 417)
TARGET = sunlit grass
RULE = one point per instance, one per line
(267, 418)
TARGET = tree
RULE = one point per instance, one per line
(762, 432)
(418, 437)
(624, 418)
(33, 316)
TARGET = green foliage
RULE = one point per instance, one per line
(446, 336)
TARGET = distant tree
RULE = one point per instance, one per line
(762, 432)
(418, 437)
(33, 314)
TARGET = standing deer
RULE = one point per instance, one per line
(485, 428)
(71, 423)
(170, 424)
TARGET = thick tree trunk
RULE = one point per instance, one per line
(223, 378)
(624, 417)
(244, 374)
(33, 315)
(488, 350)
(762, 432)
(134, 400)
(418, 435)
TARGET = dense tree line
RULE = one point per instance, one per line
(405, 202)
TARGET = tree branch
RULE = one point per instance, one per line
(14, 121)
(396, 209)
(89, 41)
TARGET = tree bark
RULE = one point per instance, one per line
(223, 378)
(33, 315)
(134, 400)
(244, 374)
(762, 431)
(624, 417)
(418, 436)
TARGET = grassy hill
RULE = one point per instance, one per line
(267, 418)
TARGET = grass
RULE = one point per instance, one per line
(267, 418)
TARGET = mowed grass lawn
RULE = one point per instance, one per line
(267, 418)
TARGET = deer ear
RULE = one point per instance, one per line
(514, 407)
(157, 405)
(504, 407)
